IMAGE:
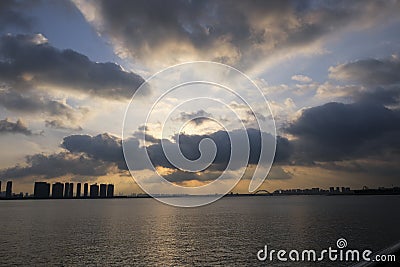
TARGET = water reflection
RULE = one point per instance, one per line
(144, 232)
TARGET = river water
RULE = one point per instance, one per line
(229, 232)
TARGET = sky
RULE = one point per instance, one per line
(330, 71)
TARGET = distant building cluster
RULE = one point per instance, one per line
(8, 193)
(62, 190)
(344, 190)
(340, 191)
(66, 190)
(315, 191)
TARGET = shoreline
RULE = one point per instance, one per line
(225, 196)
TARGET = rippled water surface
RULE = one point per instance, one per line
(144, 232)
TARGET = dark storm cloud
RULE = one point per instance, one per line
(368, 71)
(179, 177)
(29, 102)
(226, 31)
(11, 14)
(378, 80)
(388, 95)
(108, 148)
(29, 61)
(336, 131)
(324, 136)
(103, 147)
(85, 156)
(7, 126)
(362, 136)
(189, 146)
(97, 155)
(56, 165)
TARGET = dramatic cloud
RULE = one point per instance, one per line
(85, 155)
(57, 165)
(389, 95)
(29, 61)
(336, 131)
(103, 147)
(7, 126)
(67, 91)
(180, 177)
(189, 146)
(11, 15)
(30, 102)
(375, 81)
(368, 71)
(233, 32)
(359, 136)
(108, 148)
(199, 178)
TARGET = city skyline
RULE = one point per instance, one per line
(65, 190)
(330, 73)
(61, 190)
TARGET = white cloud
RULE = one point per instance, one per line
(301, 78)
